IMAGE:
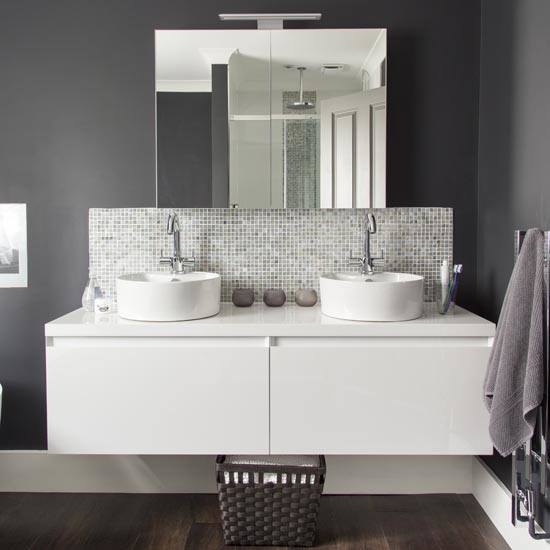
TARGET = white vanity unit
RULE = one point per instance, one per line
(268, 380)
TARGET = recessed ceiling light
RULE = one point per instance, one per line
(331, 68)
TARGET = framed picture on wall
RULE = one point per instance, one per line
(13, 245)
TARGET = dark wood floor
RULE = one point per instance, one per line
(165, 522)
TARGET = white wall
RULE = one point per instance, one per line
(43, 472)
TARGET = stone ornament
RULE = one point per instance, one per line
(306, 297)
(274, 297)
(243, 297)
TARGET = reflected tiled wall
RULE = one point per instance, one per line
(269, 248)
(301, 153)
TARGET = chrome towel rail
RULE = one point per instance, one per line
(530, 490)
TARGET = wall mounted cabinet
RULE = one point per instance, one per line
(259, 381)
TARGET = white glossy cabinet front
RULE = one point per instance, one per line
(260, 395)
(123, 398)
(385, 398)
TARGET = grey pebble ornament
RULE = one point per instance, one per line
(274, 297)
(243, 297)
(306, 297)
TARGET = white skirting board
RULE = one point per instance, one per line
(495, 499)
(36, 471)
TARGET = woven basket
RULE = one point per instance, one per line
(269, 504)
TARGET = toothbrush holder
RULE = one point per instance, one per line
(444, 306)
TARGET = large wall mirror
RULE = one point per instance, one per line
(271, 119)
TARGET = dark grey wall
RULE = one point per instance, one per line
(77, 131)
(184, 149)
(514, 143)
(433, 89)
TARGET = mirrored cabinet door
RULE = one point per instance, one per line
(249, 93)
(271, 119)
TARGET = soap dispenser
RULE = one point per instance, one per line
(91, 293)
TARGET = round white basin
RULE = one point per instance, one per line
(167, 296)
(378, 297)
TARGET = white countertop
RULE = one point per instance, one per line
(260, 320)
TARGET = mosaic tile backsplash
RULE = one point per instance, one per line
(264, 249)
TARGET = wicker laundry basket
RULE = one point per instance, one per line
(270, 500)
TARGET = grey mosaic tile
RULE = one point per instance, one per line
(269, 248)
(300, 154)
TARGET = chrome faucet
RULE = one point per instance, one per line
(366, 262)
(176, 261)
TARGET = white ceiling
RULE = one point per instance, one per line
(187, 55)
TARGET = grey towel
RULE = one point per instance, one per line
(515, 373)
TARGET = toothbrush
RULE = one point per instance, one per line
(457, 271)
(451, 296)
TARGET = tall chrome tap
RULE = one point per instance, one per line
(176, 261)
(366, 262)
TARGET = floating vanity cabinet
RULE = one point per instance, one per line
(268, 380)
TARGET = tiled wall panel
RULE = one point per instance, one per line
(269, 248)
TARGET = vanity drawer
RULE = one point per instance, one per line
(124, 399)
(379, 399)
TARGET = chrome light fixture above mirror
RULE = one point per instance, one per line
(269, 21)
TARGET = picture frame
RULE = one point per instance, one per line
(13, 245)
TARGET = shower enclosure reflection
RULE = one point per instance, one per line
(271, 119)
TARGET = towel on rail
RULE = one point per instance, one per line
(514, 379)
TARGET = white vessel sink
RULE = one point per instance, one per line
(378, 297)
(168, 297)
